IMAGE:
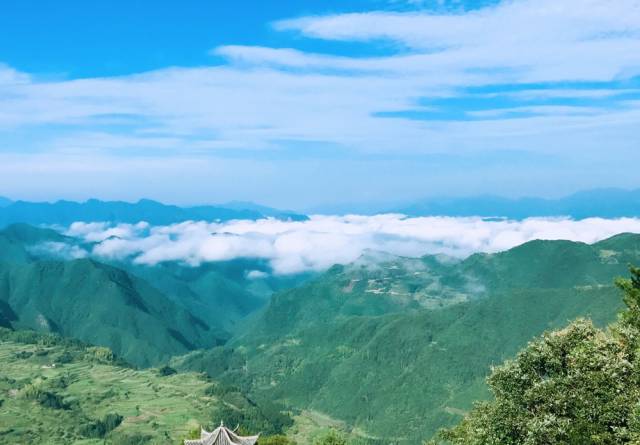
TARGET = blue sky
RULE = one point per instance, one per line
(313, 103)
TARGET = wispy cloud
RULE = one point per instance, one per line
(10, 76)
(292, 247)
(58, 249)
(539, 40)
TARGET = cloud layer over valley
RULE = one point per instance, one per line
(314, 245)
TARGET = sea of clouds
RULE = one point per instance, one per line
(322, 241)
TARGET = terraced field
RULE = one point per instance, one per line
(154, 408)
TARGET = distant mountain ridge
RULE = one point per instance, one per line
(605, 203)
(153, 212)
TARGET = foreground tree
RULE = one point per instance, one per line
(579, 385)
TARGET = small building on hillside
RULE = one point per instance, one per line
(221, 436)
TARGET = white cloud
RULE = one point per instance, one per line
(522, 41)
(530, 34)
(100, 231)
(561, 93)
(60, 250)
(11, 77)
(547, 110)
(292, 247)
(256, 274)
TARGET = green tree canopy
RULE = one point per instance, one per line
(331, 438)
(579, 385)
(276, 440)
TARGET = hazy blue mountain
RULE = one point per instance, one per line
(413, 339)
(17, 241)
(4, 201)
(264, 210)
(356, 208)
(156, 213)
(606, 203)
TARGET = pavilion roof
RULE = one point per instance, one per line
(221, 436)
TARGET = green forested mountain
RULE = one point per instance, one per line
(220, 292)
(93, 302)
(101, 305)
(17, 242)
(578, 385)
(406, 344)
(67, 212)
(383, 344)
(116, 305)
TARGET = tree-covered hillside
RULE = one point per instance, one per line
(94, 302)
(406, 344)
(146, 314)
(222, 293)
(382, 344)
(102, 305)
(578, 385)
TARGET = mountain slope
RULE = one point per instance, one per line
(412, 340)
(223, 293)
(17, 242)
(42, 287)
(578, 385)
(102, 305)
